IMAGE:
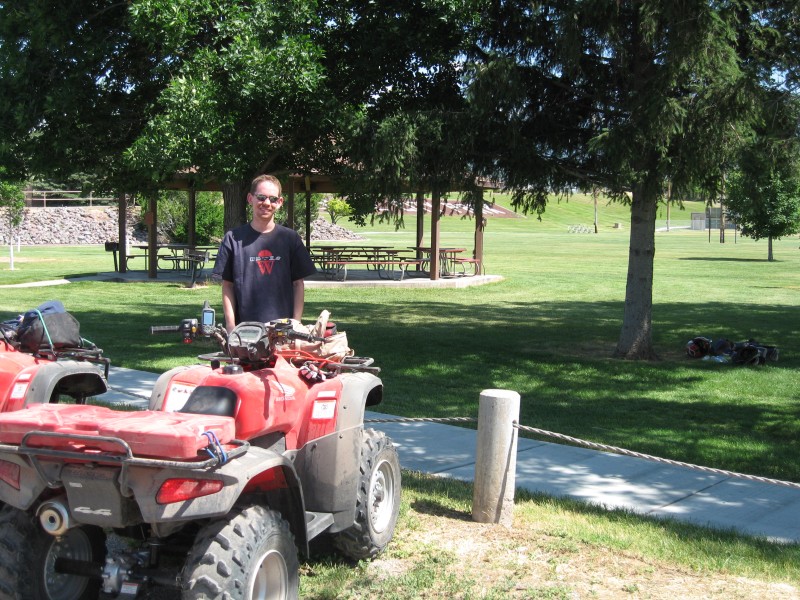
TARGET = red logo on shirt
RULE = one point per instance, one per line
(265, 260)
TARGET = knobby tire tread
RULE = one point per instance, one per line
(217, 564)
(357, 541)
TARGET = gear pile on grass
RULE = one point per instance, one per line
(749, 353)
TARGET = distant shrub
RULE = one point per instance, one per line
(173, 217)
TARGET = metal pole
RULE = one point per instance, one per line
(496, 457)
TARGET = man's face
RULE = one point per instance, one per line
(265, 201)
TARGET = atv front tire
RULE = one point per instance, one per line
(377, 500)
(250, 553)
(28, 555)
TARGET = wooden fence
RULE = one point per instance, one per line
(40, 198)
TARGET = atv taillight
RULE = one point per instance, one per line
(9, 473)
(179, 490)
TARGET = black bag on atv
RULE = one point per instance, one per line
(49, 327)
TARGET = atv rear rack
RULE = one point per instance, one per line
(125, 460)
(94, 356)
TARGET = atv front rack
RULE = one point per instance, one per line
(350, 364)
(124, 460)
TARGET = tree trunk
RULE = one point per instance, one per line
(234, 196)
(636, 338)
(769, 249)
(480, 225)
(191, 230)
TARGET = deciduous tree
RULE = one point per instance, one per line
(626, 95)
(764, 193)
(76, 89)
(247, 93)
(12, 212)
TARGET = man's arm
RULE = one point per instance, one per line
(229, 305)
(299, 290)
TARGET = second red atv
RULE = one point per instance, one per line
(41, 370)
(238, 464)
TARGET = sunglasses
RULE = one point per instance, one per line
(268, 199)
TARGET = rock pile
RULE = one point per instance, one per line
(321, 230)
(74, 226)
(97, 225)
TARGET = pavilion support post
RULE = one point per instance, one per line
(152, 237)
(420, 223)
(191, 232)
(122, 224)
(436, 202)
(308, 211)
(290, 207)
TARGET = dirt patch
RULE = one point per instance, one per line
(519, 563)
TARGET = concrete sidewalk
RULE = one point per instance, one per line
(360, 278)
(614, 481)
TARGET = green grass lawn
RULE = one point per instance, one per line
(547, 331)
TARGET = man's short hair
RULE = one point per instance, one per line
(271, 178)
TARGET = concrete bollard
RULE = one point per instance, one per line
(496, 457)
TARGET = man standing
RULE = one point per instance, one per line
(263, 264)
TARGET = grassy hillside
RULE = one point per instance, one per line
(560, 215)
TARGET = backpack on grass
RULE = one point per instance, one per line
(750, 352)
(753, 353)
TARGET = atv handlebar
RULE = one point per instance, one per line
(164, 329)
(284, 329)
(189, 328)
(249, 341)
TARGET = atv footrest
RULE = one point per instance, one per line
(316, 523)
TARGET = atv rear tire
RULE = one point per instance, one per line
(28, 555)
(248, 554)
(377, 501)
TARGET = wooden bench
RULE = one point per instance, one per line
(177, 261)
(130, 256)
(477, 267)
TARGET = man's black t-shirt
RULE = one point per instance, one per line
(262, 267)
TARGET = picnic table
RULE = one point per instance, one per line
(178, 257)
(451, 264)
(334, 260)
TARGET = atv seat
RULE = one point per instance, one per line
(211, 400)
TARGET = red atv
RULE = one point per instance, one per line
(44, 369)
(237, 464)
